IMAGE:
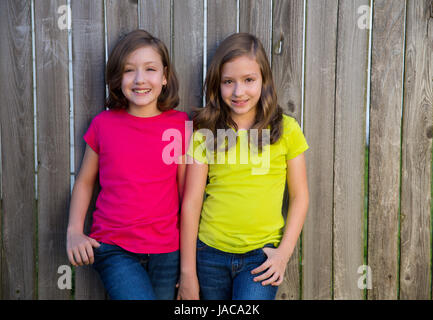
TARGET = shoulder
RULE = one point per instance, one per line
(289, 122)
(106, 115)
(176, 115)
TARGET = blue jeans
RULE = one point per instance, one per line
(227, 276)
(131, 276)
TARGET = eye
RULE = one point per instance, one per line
(128, 70)
(150, 69)
(227, 81)
(249, 80)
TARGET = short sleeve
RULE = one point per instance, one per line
(91, 135)
(294, 138)
(186, 132)
(197, 147)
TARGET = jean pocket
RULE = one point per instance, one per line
(268, 245)
(98, 248)
(201, 245)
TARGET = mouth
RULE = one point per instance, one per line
(239, 103)
(141, 91)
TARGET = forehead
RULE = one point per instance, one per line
(240, 66)
(145, 54)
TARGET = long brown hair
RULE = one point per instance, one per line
(216, 114)
(169, 97)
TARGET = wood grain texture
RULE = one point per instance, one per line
(89, 95)
(188, 51)
(255, 18)
(384, 154)
(18, 218)
(415, 268)
(320, 63)
(53, 146)
(349, 165)
(221, 22)
(287, 54)
(155, 17)
(122, 17)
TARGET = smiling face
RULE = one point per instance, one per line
(241, 86)
(142, 81)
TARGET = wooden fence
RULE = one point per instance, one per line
(368, 233)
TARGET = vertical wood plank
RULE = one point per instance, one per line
(221, 22)
(255, 18)
(384, 154)
(415, 272)
(89, 96)
(320, 62)
(155, 17)
(122, 17)
(53, 146)
(287, 51)
(18, 272)
(350, 114)
(188, 51)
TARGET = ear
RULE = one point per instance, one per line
(164, 77)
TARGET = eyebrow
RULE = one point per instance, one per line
(146, 63)
(244, 76)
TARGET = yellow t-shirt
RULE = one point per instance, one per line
(242, 207)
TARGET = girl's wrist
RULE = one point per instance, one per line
(286, 253)
(74, 230)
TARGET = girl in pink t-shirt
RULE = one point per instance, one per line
(133, 146)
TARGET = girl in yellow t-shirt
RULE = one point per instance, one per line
(235, 244)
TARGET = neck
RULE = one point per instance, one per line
(143, 112)
(244, 121)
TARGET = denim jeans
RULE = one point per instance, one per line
(227, 276)
(131, 276)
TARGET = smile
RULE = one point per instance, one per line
(239, 103)
(141, 91)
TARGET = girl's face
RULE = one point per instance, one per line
(241, 86)
(142, 81)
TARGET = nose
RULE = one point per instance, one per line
(139, 76)
(238, 90)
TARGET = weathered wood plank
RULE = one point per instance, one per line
(18, 219)
(255, 18)
(349, 166)
(122, 17)
(384, 154)
(53, 146)
(320, 63)
(287, 52)
(415, 270)
(221, 22)
(188, 51)
(155, 17)
(89, 96)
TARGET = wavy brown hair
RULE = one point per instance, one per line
(216, 114)
(169, 96)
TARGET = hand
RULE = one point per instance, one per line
(275, 265)
(80, 249)
(188, 287)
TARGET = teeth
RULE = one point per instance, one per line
(142, 91)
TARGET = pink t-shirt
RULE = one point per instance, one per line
(138, 205)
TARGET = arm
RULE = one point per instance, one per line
(78, 245)
(298, 206)
(181, 170)
(191, 208)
